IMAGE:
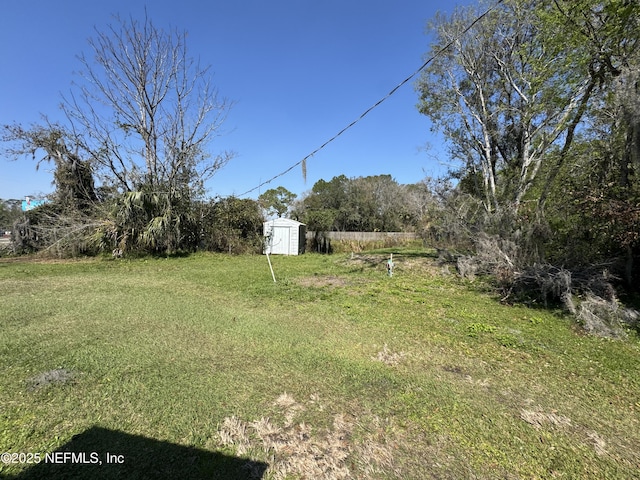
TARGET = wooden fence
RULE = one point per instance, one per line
(366, 236)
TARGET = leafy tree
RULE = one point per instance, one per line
(232, 225)
(73, 176)
(602, 39)
(539, 102)
(594, 207)
(503, 98)
(374, 203)
(276, 201)
(321, 206)
(319, 220)
(592, 192)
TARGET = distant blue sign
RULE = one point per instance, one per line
(30, 204)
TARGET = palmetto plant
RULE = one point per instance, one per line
(151, 221)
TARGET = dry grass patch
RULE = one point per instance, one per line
(598, 443)
(388, 357)
(352, 447)
(58, 376)
(539, 419)
(322, 281)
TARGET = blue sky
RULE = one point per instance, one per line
(298, 71)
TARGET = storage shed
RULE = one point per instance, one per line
(284, 237)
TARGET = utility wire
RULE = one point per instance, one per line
(366, 112)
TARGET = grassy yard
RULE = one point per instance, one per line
(202, 367)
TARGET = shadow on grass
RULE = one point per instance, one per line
(103, 454)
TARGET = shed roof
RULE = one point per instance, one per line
(283, 222)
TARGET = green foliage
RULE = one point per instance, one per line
(321, 209)
(320, 220)
(365, 204)
(479, 92)
(231, 225)
(276, 201)
(10, 211)
(475, 328)
(73, 175)
(539, 102)
(592, 206)
(594, 216)
(74, 185)
(148, 221)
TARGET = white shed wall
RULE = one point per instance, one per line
(287, 236)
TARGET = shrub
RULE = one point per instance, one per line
(232, 225)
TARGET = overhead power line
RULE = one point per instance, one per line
(303, 162)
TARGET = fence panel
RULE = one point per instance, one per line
(366, 236)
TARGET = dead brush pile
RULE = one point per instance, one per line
(297, 450)
(494, 256)
(588, 293)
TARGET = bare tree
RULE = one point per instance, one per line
(145, 111)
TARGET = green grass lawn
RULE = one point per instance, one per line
(203, 367)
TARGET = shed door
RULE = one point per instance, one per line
(281, 238)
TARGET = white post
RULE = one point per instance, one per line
(271, 268)
(268, 249)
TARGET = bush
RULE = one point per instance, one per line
(232, 225)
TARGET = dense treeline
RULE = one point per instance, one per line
(362, 204)
(540, 104)
(139, 223)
